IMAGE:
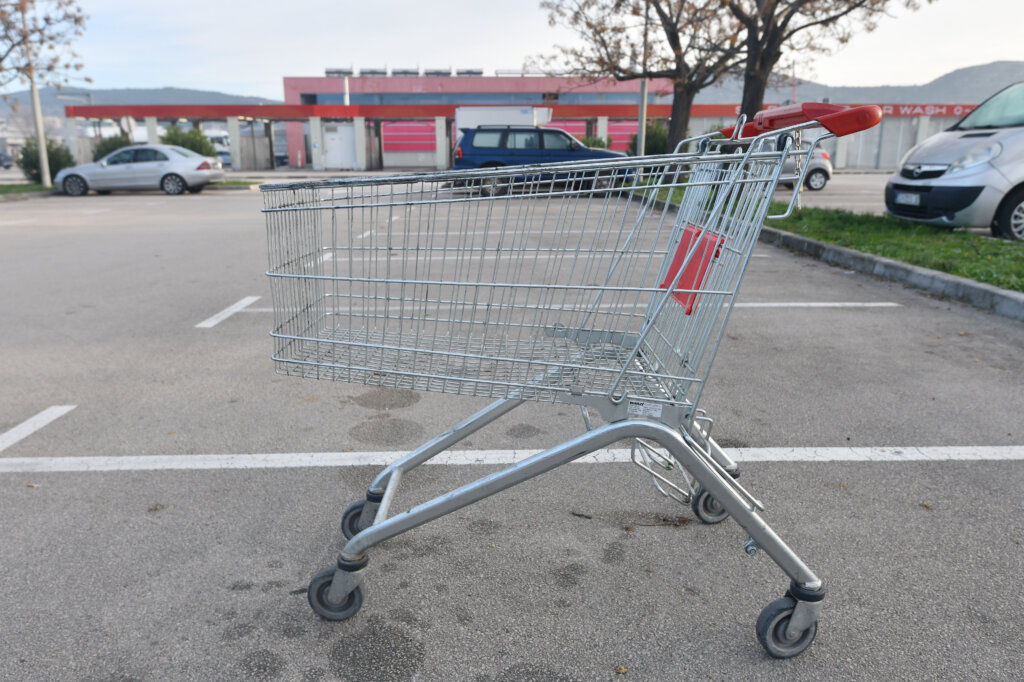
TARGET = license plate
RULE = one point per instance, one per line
(907, 198)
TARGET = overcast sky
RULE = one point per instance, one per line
(247, 48)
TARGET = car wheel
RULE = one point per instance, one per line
(816, 180)
(196, 189)
(173, 184)
(1010, 217)
(74, 186)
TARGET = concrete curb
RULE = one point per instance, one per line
(984, 296)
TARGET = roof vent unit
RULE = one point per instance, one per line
(339, 73)
(469, 72)
(405, 72)
(443, 73)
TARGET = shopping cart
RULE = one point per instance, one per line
(605, 285)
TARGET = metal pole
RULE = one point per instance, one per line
(641, 136)
(44, 159)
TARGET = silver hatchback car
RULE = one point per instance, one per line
(971, 175)
(819, 168)
(139, 167)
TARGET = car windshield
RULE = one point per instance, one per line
(185, 152)
(1005, 109)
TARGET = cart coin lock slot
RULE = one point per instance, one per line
(708, 248)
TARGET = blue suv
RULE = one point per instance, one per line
(492, 146)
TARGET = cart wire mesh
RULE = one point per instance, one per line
(549, 283)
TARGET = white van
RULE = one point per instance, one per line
(971, 175)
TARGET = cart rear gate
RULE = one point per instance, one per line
(605, 285)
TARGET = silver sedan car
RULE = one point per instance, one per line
(139, 167)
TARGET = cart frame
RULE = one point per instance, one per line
(648, 382)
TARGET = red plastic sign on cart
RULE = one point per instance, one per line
(707, 249)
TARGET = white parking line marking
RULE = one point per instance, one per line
(227, 312)
(33, 424)
(464, 457)
(16, 222)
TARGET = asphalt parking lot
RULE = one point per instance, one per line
(881, 427)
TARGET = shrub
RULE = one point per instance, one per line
(596, 142)
(109, 144)
(57, 154)
(193, 139)
(656, 142)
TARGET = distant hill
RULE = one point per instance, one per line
(55, 107)
(969, 85)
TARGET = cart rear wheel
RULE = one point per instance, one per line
(319, 587)
(707, 508)
(771, 630)
(350, 519)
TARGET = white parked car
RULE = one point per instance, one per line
(971, 175)
(152, 166)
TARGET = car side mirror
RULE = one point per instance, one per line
(103, 164)
(574, 145)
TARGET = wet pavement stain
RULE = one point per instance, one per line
(263, 664)
(614, 553)
(237, 631)
(570, 575)
(314, 675)
(387, 431)
(523, 431)
(378, 653)
(525, 672)
(387, 398)
(484, 526)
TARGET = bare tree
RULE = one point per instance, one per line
(36, 36)
(804, 26)
(690, 42)
(35, 45)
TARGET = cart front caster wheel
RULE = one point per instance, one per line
(350, 519)
(707, 508)
(771, 630)
(320, 585)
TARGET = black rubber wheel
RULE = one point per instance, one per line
(707, 508)
(771, 630)
(74, 186)
(816, 180)
(350, 519)
(320, 585)
(173, 184)
(1009, 222)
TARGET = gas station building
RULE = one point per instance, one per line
(404, 119)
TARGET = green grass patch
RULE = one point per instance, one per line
(22, 188)
(238, 183)
(979, 257)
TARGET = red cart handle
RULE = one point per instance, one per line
(836, 119)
